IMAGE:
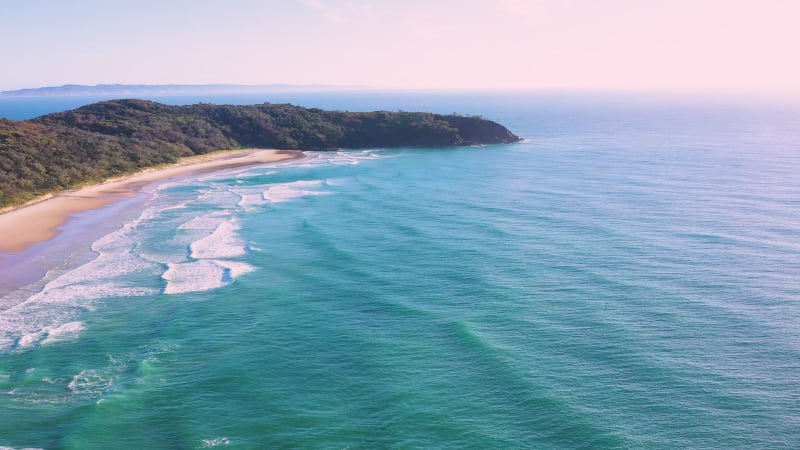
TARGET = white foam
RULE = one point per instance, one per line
(303, 183)
(236, 269)
(205, 222)
(250, 198)
(124, 239)
(181, 205)
(224, 242)
(249, 172)
(351, 157)
(254, 196)
(223, 197)
(89, 382)
(287, 191)
(107, 265)
(50, 334)
(193, 230)
(316, 159)
(48, 315)
(31, 338)
(212, 237)
(68, 330)
(193, 276)
(214, 442)
(203, 275)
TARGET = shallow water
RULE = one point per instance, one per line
(626, 277)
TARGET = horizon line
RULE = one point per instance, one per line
(322, 87)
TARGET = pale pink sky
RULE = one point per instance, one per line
(669, 45)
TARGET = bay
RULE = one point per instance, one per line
(628, 276)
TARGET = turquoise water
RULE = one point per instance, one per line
(628, 276)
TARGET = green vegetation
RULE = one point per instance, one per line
(88, 144)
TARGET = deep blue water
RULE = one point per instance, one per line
(628, 276)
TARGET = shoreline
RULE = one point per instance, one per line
(39, 221)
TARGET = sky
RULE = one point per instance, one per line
(712, 46)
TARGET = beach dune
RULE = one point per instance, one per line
(40, 220)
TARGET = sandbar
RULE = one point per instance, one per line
(40, 220)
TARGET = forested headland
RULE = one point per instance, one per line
(63, 150)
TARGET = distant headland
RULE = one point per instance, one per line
(92, 143)
(140, 90)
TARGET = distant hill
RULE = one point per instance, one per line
(138, 90)
(62, 150)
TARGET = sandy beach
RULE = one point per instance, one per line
(40, 220)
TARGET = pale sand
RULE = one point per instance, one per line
(40, 220)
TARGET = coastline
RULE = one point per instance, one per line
(39, 221)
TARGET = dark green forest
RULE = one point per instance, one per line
(63, 150)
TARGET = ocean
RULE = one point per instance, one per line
(628, 276)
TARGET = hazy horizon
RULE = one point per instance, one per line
(677, 95)
(706, 46)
